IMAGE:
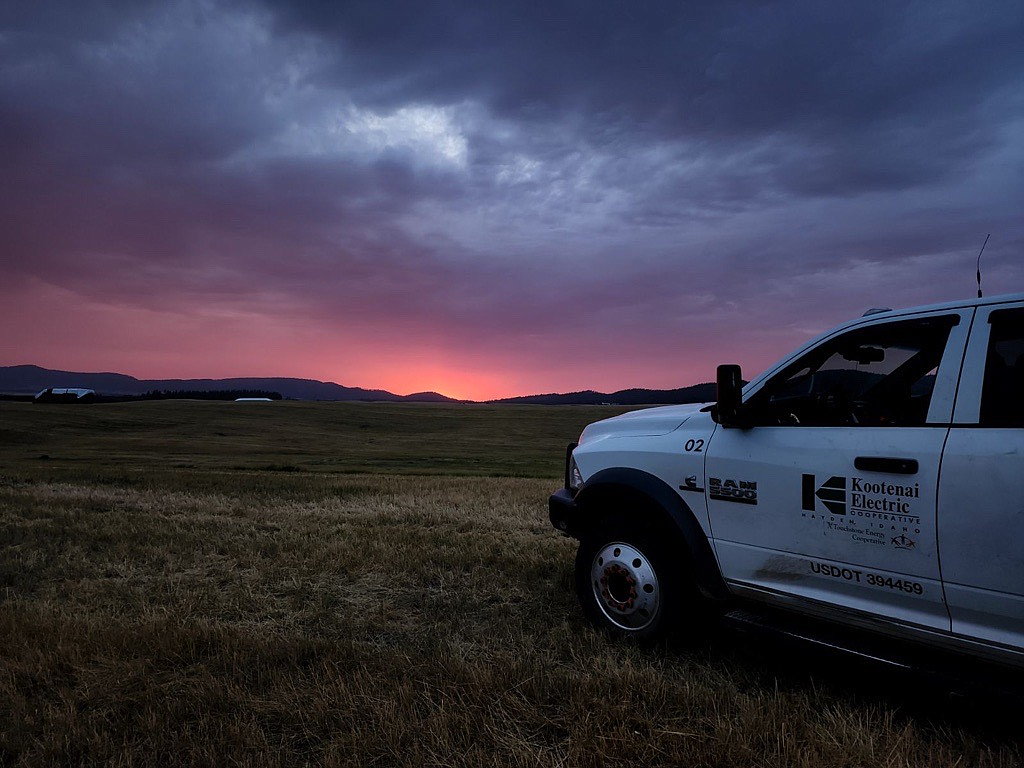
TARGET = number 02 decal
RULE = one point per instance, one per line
(694, 446)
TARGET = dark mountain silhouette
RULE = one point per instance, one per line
(698, 393)
(29, 379)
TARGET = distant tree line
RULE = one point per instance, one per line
(156, 394)
(218, 394)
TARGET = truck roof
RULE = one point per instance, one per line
(970, 302)
(873, 315)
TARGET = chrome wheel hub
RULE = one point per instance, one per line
(625, 586)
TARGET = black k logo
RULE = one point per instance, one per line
(832, 494)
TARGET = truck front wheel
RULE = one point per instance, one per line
(628, 584)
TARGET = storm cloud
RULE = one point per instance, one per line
(494, 199)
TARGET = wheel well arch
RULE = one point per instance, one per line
(659, 504)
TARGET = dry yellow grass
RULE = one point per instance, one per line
(201, 610)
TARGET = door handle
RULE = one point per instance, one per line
(886, 464)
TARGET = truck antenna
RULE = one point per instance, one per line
(979, 261)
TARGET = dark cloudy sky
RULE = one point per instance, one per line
(491, 199)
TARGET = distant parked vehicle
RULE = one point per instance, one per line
(65, 395)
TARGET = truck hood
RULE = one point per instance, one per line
(646, 422)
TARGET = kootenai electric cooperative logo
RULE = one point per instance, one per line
(832, 494)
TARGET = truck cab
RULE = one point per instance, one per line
(874, 477)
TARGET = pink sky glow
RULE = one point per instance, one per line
(493, 200)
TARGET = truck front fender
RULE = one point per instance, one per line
(618, 484)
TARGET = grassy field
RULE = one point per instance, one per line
(204, 583)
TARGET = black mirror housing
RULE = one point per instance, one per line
(730, 395)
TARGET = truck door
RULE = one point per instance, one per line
(828, 494)
(981, 491)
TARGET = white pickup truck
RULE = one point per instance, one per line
(873, 478)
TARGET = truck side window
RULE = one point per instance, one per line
(1002, 394)
(881, 375)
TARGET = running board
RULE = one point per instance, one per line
(821, 636)
(961, 674)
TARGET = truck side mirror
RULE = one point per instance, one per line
(730, 395)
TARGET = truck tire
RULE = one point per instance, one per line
(631, 586)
